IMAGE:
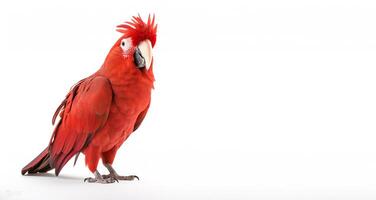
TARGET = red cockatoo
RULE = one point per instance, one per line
(101, 111)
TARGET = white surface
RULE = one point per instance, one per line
(253, 99)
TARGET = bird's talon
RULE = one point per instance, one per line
(129, 178)
(91, 180)
(117, 178)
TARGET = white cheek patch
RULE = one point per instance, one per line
(126, 44)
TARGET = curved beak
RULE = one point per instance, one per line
(144, 54)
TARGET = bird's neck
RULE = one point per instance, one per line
(122, 78)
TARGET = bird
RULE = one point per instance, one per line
(101, 111)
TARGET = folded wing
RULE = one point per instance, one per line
(83, 112)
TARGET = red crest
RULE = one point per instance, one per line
(138, 30)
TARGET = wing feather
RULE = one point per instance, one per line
(83, 112)
(140, 118)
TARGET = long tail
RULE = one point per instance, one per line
(40, 164)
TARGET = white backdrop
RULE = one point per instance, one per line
(253, 99)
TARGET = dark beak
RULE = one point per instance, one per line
(139, 60)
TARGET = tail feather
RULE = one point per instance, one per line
(39, 164)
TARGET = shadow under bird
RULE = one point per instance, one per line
(101, 111)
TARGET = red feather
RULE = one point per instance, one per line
(138, 30)
(92, 99)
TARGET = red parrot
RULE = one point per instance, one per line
(101, 111)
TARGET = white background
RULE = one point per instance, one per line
(252, 100)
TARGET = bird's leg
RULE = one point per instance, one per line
(99, 179)
(116, 176)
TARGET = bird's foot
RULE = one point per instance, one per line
(99, 179)
(115, 175)
(123, 178)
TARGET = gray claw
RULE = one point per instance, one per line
(128, 178)
(134, 177)
(101, 179)
(117, 177)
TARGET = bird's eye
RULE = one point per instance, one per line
(125, 44)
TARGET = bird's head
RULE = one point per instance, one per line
(133, 51)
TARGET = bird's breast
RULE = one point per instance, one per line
(127, 104)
